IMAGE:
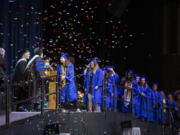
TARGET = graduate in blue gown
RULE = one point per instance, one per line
(111, 79)
(136, 96)
(172, 106)
(153, 96)
(65, 74)
(118, 88)
(127, 94)
(93, 77)
(156, 103)
(108, 89)
(144, 92)
(136, 81)
(163, 110)
(126, 85)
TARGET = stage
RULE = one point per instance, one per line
(83, 123)
(17, 116)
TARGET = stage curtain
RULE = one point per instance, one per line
(20, 28)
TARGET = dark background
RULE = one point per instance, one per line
(160, 21)
(155, 25)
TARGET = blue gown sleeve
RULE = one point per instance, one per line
(109, 88)
(139, 90)
(117, 83)
(153, 99)
(85, 78)
(135, 91)
(148, 93)
(70, 74)
(58, 73)
(100, 78)
(159, 99)
(175, 105)
(116, 76)
(113, 82)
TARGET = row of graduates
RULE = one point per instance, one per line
(95, 81)
(148, 103)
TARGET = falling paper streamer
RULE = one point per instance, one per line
(81, 29)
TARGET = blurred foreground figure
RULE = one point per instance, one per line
(2, 69)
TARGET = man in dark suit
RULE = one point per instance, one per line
(2, 69)
(36, 76)
(20, 92)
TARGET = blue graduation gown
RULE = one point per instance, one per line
(96, 81)
(143, 101)
(136, 100)
(69, 91)
(86, 84)
(117, 83)
(151, 105)
(109, 91)
(156, 104)
(160, 112)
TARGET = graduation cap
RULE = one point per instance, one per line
(130, 71)
(171, 93)
(162, 90)
(155, 84)
(143, 77)
(65, 56)
(94, 60)
(106, 70)
(108, 67)
(137, 75)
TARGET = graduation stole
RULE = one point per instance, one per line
(63, 68)
(22, 59)
(129, 92)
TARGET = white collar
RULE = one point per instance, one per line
(22, 59)
(31, 61)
